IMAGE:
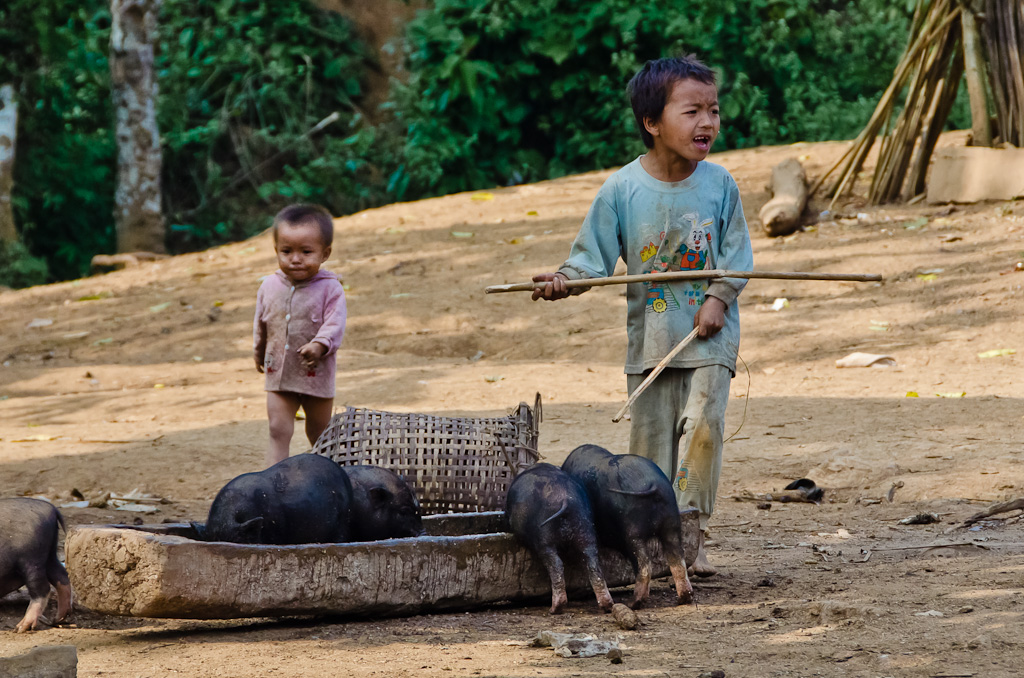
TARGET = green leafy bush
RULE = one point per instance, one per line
(18, 268)
(55, 53)
(242, 82)
(503, 91)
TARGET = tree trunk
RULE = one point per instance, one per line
(8, 133)
(137, 216)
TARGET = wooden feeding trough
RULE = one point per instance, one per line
(465, 561)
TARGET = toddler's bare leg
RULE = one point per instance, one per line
(281, 409)
(318, 416)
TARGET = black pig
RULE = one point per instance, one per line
(633, 503)
(550, 513)
(304, 499)
(383, 505)
(28, 557)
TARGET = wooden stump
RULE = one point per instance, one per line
(781, 215)
(102, 263)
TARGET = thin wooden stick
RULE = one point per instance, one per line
(931, 546)
(655, 372)
(671, 276)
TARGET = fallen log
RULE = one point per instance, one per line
(110, 262)
(995, 509)
(788, 186)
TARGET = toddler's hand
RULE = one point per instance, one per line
(259, 358)
(555, 288)
(710, 318)
(311, 353)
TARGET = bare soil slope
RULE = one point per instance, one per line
(143, 379)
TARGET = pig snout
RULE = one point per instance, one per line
(383, 505)
(29, 530)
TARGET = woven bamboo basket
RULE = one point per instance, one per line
(455, 464)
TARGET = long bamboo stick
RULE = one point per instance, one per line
(891, 166)
(994, 27)
(890, 173)
(1016, 70)
(672, 276)
(655, 372)
(883, 110)
(974, 65)
(930, 136)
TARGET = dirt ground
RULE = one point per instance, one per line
(143, 380)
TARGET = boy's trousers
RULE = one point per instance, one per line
(684, 405)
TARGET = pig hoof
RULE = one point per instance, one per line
(685, 599)
(31, 624)
(558, 609)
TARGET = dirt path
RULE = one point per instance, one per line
(143, 380)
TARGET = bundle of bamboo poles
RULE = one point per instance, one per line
(932, 66)
(1004, 42)
(945, 45)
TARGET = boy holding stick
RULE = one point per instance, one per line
(670, 210)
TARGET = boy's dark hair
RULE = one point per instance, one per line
(650, 88)
(303, 214)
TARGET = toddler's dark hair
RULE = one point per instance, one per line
(650, 88)
(301, 213)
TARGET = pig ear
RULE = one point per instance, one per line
(200, 530)
(379, 495)
(251, 526)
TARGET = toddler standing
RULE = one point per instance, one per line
(298, 326)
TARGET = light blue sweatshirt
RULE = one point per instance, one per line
(657, 226)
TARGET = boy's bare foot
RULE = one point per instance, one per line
(701, 567)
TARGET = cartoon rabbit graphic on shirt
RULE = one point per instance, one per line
(685, 247)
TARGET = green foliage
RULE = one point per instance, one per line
(55, 53)
(241, 84)
(503, 91)
(18, 268)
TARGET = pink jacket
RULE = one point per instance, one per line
(288, 317)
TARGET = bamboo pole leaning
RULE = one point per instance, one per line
(948, 40)
(922, 96)
(1003, 30)
(930, 34)
(974, 64)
